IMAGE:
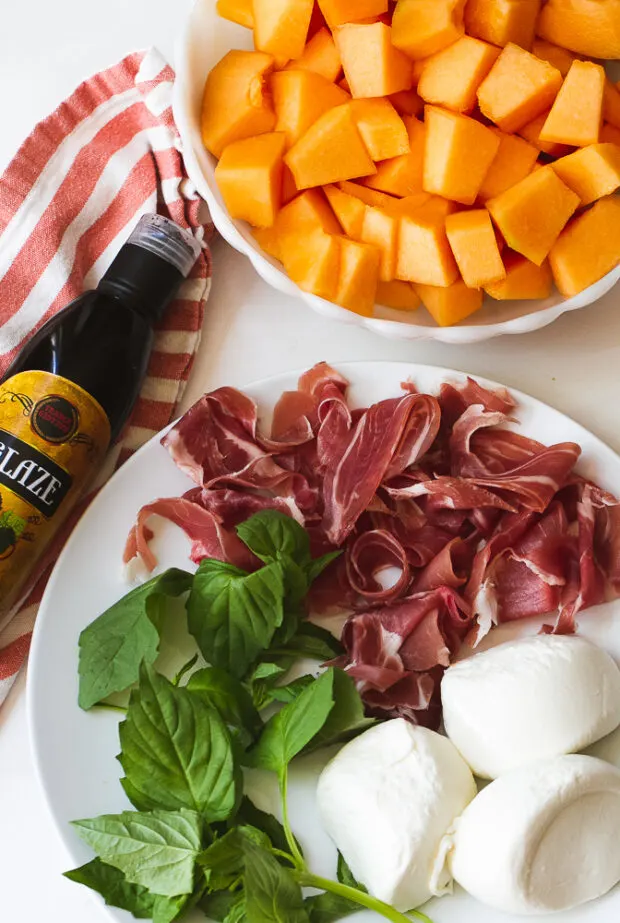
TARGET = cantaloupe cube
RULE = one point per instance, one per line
(300, 98)
(611, 104)
(514, 161)
(281, 26)
(588, 248)
(269, 241)
(525, 281)
(306, 212)
(592, 172)
(235, 105)
(532, 214)
(518, 88)
(408, 205)
(531, 132)
(348, 209)
(423, 27)
(358, 276)
(503, 21)
(475, 248)
(312, 260)
(339, 12)
(239, 11)
(458, 155)
(383, 131)
(423, 253)
(451, 77)
(402, 176)
(289, 189)
(372, 65)
(559, 57)
(331, 150)
(407, 102)
(367, 196)
(576, 116)
(249, 176)
(399, 295)
(450, 305)
(589, 27)
(320, 56)
(610, 134)
(381, 229)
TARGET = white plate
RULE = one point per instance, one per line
(205, 40)
(75, 751)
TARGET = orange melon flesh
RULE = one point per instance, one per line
(383, 131)
(249, 176)
(402, 176)
(281, 26)
(339, 12)
(592, 172)
(518, 88)
(381, 229)
(407, 102)
(239, 11)
(358, 276)
(533, 213)
(372, 65)
(423, 253)
(576, 116)
(399, 295)
(408, 205)
(306, 212)
(366, 195)
(448, 306)
(503, 21)
(423, 27)
(235, 105)
(312, 260)
(514, 161)
(458, 155)
(611, 104)
(531, 132)
(451, 77)
(588, 249)
(320, 56)
(610, 134)
(525, 281)
(268, 240)
(330, 151)
(289, 189)
(558, 57)
(300, 98)
(475, 248)
(348, 209)
(589, 27)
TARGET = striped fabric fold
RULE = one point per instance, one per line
(68, 201)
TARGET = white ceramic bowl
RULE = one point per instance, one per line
(206, 38)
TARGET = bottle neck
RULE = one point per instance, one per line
(142, 281)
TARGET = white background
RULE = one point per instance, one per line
(46, 48)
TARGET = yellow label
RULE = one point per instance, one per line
(53, 436)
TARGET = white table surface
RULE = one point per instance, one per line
(46, 48)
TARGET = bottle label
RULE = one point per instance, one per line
(53, 437)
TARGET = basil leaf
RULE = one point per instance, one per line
(320, 564)
(346, 876)
(223, 861)
(156, 850)
(237, 913)
(233, 615)
(115, 889)
(218, 906)
(231, 699)
(329, 908)
(271, 893)
(114, 645)
(346, 719)
(249, 815)
(271, 534)
(176, 750)
(265, 677)
(314, 642)
(291, 691)
(288, 732)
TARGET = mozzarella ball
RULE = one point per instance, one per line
(542, 838)
(527, 700)
(387, 800)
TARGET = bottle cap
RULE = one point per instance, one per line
(167, 240)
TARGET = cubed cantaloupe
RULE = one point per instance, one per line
(358, 276)
(299, 98)
(366, 195)
(474, 245)
(239, 11)
(514, 161)
(531, 132)
(589, 27)
(518, 88)
(312, 260)
(306, 212)
(399, 295)
(407, 205)
(458, 154)
(611, 104)
(268, 240)
(383, 131)
(249, 176)
(588, 248)
(348, 209)
(372, 65)
(503, 21)
(381, 229)
(281, 26)
(402, 176)
(576, 116)
(289, 188)
(339, 12)
(407, 102)
(532, 214)
(331, 150)
(320, 56)
(451, 304)
(451, 77)
(525, 281)
(423, 27)
(423, 253)
(610, 134)
(235, 104)
(592, 172)
(559, 57)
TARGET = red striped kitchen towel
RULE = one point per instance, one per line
(68, 201)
